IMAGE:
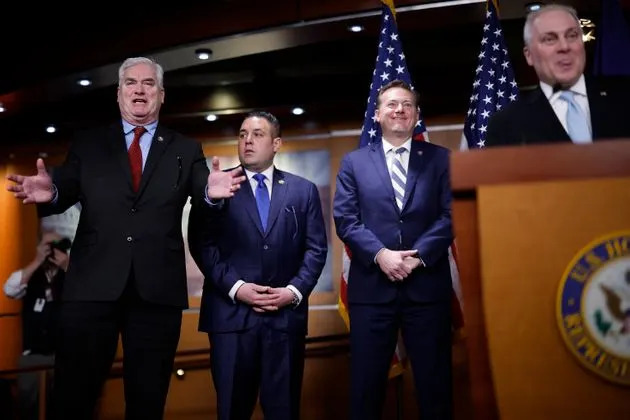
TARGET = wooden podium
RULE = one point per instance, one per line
(521, 215)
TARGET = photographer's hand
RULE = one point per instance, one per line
(60, 259)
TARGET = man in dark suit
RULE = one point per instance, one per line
(127, 270)
(392, 208)
(554, 47)
(261, 259)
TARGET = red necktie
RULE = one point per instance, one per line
(135, 157)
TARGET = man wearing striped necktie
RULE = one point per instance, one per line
(392, 209)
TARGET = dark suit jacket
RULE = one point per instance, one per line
(531, 119)
(120, 230)
(368, 219)
(231, 246)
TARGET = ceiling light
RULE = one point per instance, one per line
(203, 53)
(297, 111)
(211, 117)
(532, 7)
(2, 109)
(356, 28)
(84, 82)
(51, 129)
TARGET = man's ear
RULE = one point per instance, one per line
(528, 55)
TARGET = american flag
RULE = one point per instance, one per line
(390, 65)
(494, 86)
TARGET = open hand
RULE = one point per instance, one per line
(32, 189)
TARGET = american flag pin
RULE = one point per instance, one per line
(160, 138)
(419, 152)
(603, 93)
(281, 181)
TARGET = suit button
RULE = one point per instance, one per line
(133, 210)
(129, 239)
(265, 246)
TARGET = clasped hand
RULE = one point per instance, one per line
(397, 265)
(264, 298)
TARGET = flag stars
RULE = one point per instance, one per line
(390, 49)
(476, 83)
(372, 132)
(486, 27)
(479, 69)
(485, 114)
(394, 37)
(495, 47)
(400, 69)
(505, 64)
(490, 85)
(487, 100)
(491, 72)
(384, 76)
(502, 79)
(497, 32)
(512, 97)
(484, 40)
(388, 63)
(401, 55)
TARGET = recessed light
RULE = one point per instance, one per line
(84, 82)
(203, 53)
(356, 28)
(532, 7)
(211, 117)
(51, 129)
(297, 111)
(2, 109)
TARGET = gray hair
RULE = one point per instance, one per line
(130, 62)
(532, 16)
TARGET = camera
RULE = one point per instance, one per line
(62, 245)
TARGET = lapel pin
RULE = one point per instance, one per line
(281, 181)
(603, 93)
(419, 152)
(160, 138)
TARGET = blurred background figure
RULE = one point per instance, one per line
(39, 286)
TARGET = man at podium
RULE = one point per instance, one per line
(566, 106)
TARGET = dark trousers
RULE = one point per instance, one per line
(259, 359)
(426, 333)
(87, 341)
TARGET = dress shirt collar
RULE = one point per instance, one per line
(579, 87)
(151, 127)
(387, 146)
(267, 172)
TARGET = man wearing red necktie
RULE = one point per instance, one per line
(127, 269)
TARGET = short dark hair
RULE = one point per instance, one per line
(396, 83)
(271, 119)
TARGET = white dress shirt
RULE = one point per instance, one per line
(560, 106)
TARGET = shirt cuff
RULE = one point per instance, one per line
(211, 202)
(234, 289)
(379, 251)
(422, 264)
(296, 292)
(55, 193)
(13, 287)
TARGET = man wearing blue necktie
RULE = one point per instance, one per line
(566, 106)
(261, 257)
(392, 208)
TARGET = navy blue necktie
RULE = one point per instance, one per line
(262, 199)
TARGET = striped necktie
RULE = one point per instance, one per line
(399, 176)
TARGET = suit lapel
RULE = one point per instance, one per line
(119, 151)
(159, 143)
(380, 164)
(244, 199)
(596, 105)
(547, 125)
(413, 169)
(278, 198)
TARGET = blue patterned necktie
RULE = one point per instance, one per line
(399, 176)
(577, 126)
(262, 200)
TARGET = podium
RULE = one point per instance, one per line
(525, 220)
